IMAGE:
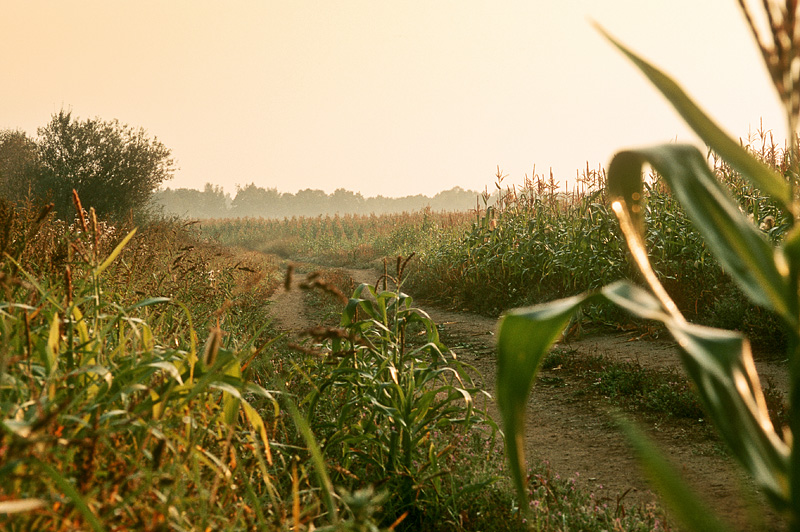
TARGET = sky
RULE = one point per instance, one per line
(376, 96)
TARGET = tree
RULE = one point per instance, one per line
(114, 168)
(346, 202)
(213, 202)
(18, 165)
(254, 201)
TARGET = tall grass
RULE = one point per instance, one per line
(114, 412)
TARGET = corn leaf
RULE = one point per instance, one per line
(759, 174)
(523, 339)
(738, 245)
(688, 508)
(721, 365)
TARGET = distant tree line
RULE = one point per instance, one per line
(254, 201)
(118, 170)
(114, 168)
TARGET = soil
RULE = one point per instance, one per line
(573, 431)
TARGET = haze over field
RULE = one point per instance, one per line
(381, 98)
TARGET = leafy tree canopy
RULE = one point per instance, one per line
(18, 165)
(115, 168)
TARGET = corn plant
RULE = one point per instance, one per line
(338, 240)
(719, 362)
(387, 397)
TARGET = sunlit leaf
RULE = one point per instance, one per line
(738, 245)
(523, 339)
(721, 365)
(114, 254)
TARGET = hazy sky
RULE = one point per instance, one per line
(383, 97)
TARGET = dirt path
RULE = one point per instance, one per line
(573, 433)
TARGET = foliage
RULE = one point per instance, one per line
(117, 414)
(114, 168)
(18, 166)
(719, 362)
(537, 243)
(389, 399)
(104, 422)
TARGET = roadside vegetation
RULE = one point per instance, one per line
(144, 388)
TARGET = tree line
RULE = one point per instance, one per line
(254, 201)
(114, 168)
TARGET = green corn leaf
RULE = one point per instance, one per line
(719, 363)
(721, 366)
(523, 339)
(635, 300)
(759, 174)
(688, 508)
(739, 246)
(114, 254)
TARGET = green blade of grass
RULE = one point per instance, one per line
(324, 480)
(69, 490)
